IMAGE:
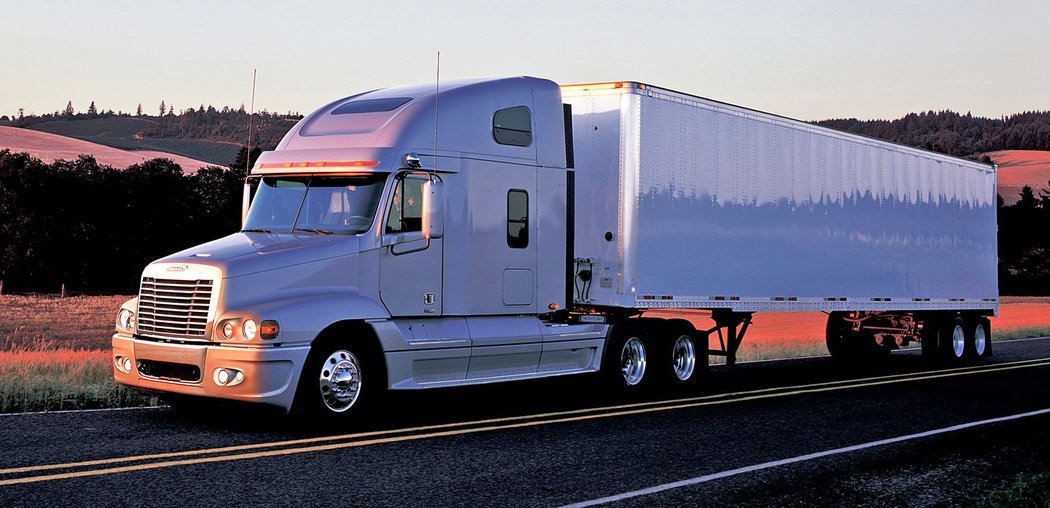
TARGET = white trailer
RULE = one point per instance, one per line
(508, 229)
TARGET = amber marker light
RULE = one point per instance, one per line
(269, 329)
(319, 164)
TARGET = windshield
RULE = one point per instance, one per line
(315, 204)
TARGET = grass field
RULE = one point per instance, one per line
(54, 352)
(1018, 168)
(119, 132)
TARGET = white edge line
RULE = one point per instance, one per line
(793, 460)
(99, 410)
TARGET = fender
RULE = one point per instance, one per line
(304, 314)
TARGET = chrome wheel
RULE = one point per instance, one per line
(683, 357)
(632, 361)
(340, 380)
(980, 340)
(958, 341)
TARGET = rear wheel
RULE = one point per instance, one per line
(627, 358)
(686, 353)
(849, 346)
(953, 342)
(980, 339)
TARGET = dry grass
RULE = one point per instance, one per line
(79, 322)
(1018, 168)
(54, 354)
(40, 376)
(49, 147)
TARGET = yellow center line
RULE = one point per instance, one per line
(567, 419)
(425, 428)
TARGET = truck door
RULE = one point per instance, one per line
(410, 265)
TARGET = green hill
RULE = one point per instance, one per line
(125, 133)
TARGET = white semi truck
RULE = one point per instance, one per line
(507, 229)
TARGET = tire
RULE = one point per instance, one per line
(626, 365)
(837, 337)
(952, 340)
(685, 354)
(979, 339)
(846, 346)
(340, 382)
(929, 339)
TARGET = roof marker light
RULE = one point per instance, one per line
(319, 164)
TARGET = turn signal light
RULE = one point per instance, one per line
(269, 329)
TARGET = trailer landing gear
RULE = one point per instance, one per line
(735, 325)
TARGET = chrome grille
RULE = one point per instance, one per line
(174, 307)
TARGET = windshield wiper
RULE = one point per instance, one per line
(256, 230)
(314, 230)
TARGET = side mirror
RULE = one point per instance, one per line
(433, 209)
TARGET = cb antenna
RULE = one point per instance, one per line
(437, 92)
(251, 113)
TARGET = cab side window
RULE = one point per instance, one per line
(513, 126)
(517, 219)
(406, 210)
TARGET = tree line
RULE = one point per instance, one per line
(93, 227)
(956, 134)
(204, 122)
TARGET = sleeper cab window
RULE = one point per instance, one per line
(406, 210)
(513, 126)
(517, 219)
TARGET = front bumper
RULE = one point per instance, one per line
(270, 373)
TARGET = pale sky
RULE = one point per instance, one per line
(810, 59)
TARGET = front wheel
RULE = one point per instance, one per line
(340, 381)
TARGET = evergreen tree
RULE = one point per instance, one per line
(163, 107)
(1027, 201)
(69, 109)
(138, 112)
(243, 162)
(92, 111)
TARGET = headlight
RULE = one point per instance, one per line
(227, 330)
(249, 329)
(126, 320)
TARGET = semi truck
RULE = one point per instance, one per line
(490, 230)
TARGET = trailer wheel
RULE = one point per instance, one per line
(928, 340)
(953, 341)
(627, 359)
(340, 381)
(846, 345)
(980, 339)
(842, 342)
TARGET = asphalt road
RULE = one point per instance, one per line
(786, 433)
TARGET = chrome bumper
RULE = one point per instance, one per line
(270, 374)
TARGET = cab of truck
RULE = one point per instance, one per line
(403, 238)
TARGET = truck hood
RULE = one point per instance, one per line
(246, 253)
